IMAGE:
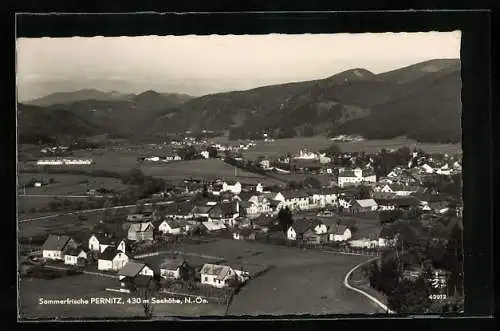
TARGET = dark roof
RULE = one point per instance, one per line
(184, 208)
(406, 201)
(300, 226)
(171, 263)
(337, 229)
(109, 253)
(296, 194)
(55, 243)
(203, 209)
(74, 251)
(104, 238)
(229, 207)
(263, 220)
(383, 195)
(131, 269)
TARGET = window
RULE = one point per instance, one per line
(206, 279)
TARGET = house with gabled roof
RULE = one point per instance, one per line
(297, 229)
(232, 186)
(99, 241)
(297, 199)
(182, 210)
(55, 247)
(111, 259)
(171, 226)
(73, 254)
(349, 177)
(170, 268)
(133, 269)
(140, 231)
(216, 275)
(339, 233)
(364, 205)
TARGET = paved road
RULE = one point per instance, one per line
(370, 297)
(86, 211)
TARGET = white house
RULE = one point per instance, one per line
(356, 176)
(205, 154)
(259, 188)
(55, 247)
(170, 268)
(111, 259)
(427, 169)
(72, 255)
(216, 275)
(338, 233)
(168, 226)
(235, 188)
(258, 204)
(297, 199)
(305, 155)
(298, 228)
(345, 202)
(99, 241)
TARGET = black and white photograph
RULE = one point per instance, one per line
(239, 175)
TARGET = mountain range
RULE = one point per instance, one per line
(421, 101)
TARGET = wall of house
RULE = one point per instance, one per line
(70, 260)
(290, 234)
(213, 281)
(146, 271)
(146, 235)
(52, 255)
(94, 244)
(119, 261)
(170, 274)
(104, 265)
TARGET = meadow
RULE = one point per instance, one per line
(301, 282)
(90, 286)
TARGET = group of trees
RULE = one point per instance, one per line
(419, 248)
(285, 219)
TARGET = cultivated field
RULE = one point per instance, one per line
(88, 286)
(292, 145)
(301, 282)
(209, 169)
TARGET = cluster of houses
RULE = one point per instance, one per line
(54, 149)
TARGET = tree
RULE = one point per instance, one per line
(188, 153)
(453, 260)
(294, 185)
(285, 219)
(312, 182)
(410, 297)
(364, 192)
(212, 152)
(334, 149)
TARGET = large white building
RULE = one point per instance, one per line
(356, 176)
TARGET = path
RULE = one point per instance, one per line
(93, 273)
(370, 297)
(86, 211)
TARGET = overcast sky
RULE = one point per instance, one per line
(199, 65)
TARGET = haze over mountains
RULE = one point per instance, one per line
(421, 102)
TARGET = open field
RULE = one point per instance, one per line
(302, 282)
(292, 145)
(60, 224)
(209, 169)
(67, 184)
(88, 286)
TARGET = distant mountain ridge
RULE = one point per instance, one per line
(421, 101)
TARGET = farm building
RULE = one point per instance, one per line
(73, 255)
(180, 211)
(111, 259)
(216, 275)
(56, 246)
(170, 268)
(140, 231)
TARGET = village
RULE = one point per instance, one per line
(346, 214)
